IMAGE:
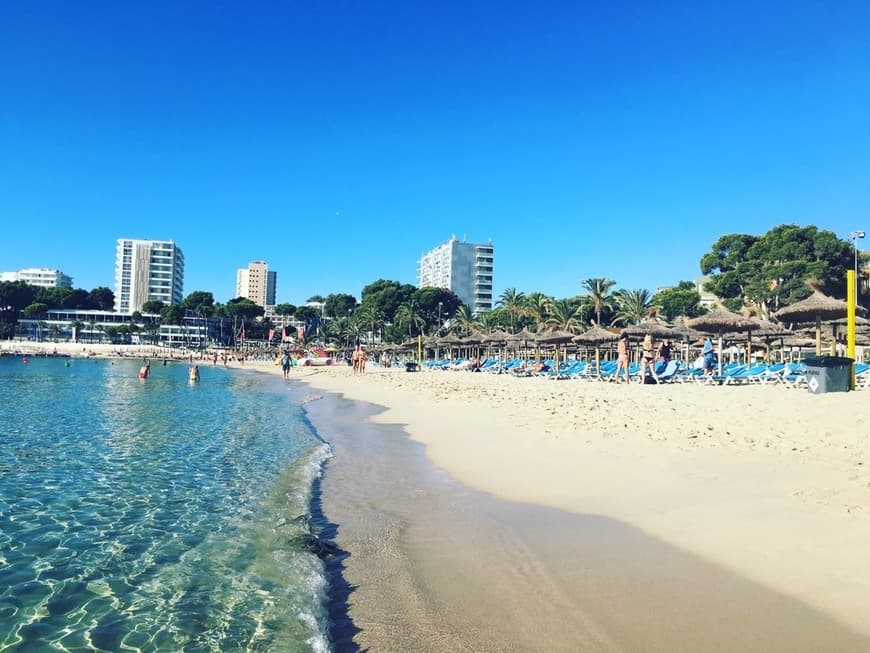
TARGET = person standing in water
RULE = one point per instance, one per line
(285, 364)
(145, 370)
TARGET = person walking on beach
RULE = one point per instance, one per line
(664, 350)
(648, 361)
(285, 364)
(622, 357)
(354, 358)
(709, 356)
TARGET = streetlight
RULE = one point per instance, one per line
(855, 236)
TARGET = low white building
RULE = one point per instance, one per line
(43, 277)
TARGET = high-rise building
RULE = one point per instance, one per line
(464, 268)
(147, 270)
(257, 283)
(45, 277)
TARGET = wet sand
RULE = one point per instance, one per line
(431, 565)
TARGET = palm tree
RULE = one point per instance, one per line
(372, 317)
(537, 306)
(598, 290)
(489, 321)
(464, 319)
(409, 314)
(565, 315)
(633, 306)
(512, 301)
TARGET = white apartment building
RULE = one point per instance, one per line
(44, 277)
(464, 268)
(257, 283)
(147, 270)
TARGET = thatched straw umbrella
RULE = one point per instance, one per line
(595, 336)
(766, 330)
(555, 337)
(654, 327)
(449, 341)
(522, 338)
(816, 307)
(720, 321)
(495, 338)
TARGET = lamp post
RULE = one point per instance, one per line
(438, 332)
(855, 236)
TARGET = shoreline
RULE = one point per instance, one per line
(429, 565)
(770, 484)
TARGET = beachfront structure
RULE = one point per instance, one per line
(257, 283)
(43, 277)
(90, 326)
(147, 270)
(464, 268)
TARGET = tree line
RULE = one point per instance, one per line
(754, 274)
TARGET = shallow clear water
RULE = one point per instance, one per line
(157, 514)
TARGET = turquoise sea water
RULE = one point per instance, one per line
(155, 515)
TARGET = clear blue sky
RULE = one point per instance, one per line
(340, 140)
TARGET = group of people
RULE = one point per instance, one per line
(358, 358)
(650, 357)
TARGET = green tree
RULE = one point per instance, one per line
(564, 314)
(35, 309)
(172, 314)
(153, 306)
(598, 291)
(200, 302)
(772, 270)
(537, 307)
(632, 306)
(316, 298)
(338, 304)
(464, 320)
(285, 309)
(244, 308)
(511, 300)
(683, 299)
(408, 316)
(101, 299)
(386, 297)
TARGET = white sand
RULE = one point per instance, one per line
(769, 482)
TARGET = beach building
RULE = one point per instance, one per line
(462, 267)
(147, 270)
(44, 277)
(257, 283)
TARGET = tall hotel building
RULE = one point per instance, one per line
(257, 283)
(147, 270)
(464, 268)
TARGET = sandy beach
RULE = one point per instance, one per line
(486, 512)
(767, 483)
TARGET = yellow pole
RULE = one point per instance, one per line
(850, 323)
(420, 350)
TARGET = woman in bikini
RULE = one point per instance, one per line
(622, 357)
(649, 359)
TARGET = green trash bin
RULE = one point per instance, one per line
(828, 374)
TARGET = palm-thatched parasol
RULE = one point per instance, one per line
(815, 308)
(720, 321)
(555, 337)
(595, 336)
(654, 327)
